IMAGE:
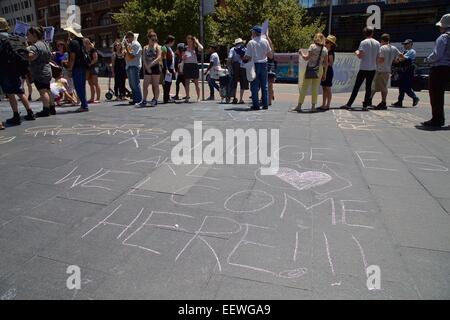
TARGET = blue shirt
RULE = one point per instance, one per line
(410, 55)
(441, 53)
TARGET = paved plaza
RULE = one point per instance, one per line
(355, 191)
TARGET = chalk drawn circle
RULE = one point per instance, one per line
(246, 194)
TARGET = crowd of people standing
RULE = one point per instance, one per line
(251, 66)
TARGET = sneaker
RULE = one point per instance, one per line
(44, 113)
(53, 110)
(415, 102)
(235, 101)
(254, 108)
(296, 109)
(433, 123)
(2, 127)
(81, 110)
(14, 121)
(265, 108)
(186, 100)
(365, 109)
(30, 116)
(154, 103)
(381, 106)
(211, 98)
(176, 98)
(141, 104)
(398, 104)
(345, 107)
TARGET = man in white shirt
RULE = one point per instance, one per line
(387, 55)
(258, 50)
(367, 53)
(213, 68)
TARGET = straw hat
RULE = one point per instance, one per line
(4, 25)
(332, 39)
(238, 41)
(74, 32)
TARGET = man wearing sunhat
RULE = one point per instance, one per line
(11, 67)
(258, 50)
(239, 75)
(77, 66)
(439, 73)
(406, 63)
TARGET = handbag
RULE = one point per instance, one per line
(313, 72)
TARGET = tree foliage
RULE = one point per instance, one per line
(290, 27)
(178, 18)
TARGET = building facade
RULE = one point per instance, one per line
(23, 10)
(402, 19)
(96, 20)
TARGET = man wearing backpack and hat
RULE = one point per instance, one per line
(78, 64)
(439, 73)
(238, 72)
(13, 65)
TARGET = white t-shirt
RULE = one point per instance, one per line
(389, 53)
(215, 60)
(371, 48)
(258, 49)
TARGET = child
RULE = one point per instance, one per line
(59, 90)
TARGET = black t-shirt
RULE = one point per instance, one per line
(75, 46)
(91, 54)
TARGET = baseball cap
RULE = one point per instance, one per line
(407, 41)
(257, 29)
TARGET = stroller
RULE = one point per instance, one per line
(110, 94)
(225, 85)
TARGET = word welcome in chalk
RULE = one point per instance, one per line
(190, 151)
(95, 130)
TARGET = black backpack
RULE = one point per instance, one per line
(15, 55)
(85, 58)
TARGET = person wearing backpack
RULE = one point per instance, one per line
(13, 66)
(439, 73)
(78, 63)
(41, 71)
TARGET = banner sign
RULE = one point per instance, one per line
(49, 34)
(21, 29)
(291, 69)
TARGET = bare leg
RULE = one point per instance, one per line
(147, 81)
(197, 88)
(155, 86)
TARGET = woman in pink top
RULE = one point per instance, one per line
(190, 69)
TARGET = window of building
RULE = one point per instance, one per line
(105, 20)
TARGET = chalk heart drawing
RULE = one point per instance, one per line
(304, 180)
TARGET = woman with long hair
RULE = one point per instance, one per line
(317, 58)
(151, 57)
(330, 43)
(190, 66)
(92, 75)
(41, 71)
(119, 72)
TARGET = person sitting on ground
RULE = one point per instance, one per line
(59, 90)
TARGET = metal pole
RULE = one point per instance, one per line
(202, 41)
(330, 17)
